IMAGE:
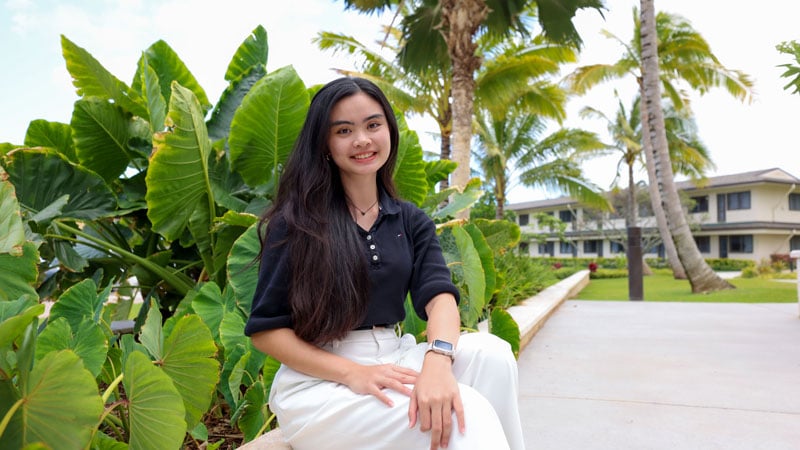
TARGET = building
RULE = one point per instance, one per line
(750, 215)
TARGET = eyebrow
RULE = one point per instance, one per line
(347, 122)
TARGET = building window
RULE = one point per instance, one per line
(699, 204)
(739, 200)
(741, 243)
(617, 247)
(703, 243)
(523, 248)
(794, 202)
(794, 243)
(566, 248)
(524, 219)
(592, 246)
(655, 249)
(566, 216)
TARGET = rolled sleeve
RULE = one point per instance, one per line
(270, 308)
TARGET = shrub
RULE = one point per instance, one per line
(749, 272)
(608, 273)
(523, 278)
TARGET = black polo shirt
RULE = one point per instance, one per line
(403, 256)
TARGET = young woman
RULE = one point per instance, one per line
(340, 252)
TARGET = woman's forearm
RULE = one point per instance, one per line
(284, 345)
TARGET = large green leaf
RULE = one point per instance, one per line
(60, 407)
(439, 170)
(189, 360)
(211, 305)
(266, 126)
(80, 302)
(92, 80)
(256, 411)
(88, 341)
(12, 233)
(412, 324)
(252, 52)
(487, 258)
(219, 125)
(243, 266)
(155, 408)
(169, 68)
(100, 131)
(42, 133)
(500, 234)
(459, 200)
(89, 196)
(235, 345)
(18, 274)
(13, 327)
(177, 180)
(503, 325)
(151, 91)
(466, 264)
(152, 336)
(409, 175)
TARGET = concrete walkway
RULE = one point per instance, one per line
(651, 375)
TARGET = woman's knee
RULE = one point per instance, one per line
(486, 346)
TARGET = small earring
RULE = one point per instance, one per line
(327, 156)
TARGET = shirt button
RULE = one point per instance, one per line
(372, 247)
(374, 257)
(369, 237)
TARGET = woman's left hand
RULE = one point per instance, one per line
(434, 399)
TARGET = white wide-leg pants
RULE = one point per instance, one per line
(317, 414)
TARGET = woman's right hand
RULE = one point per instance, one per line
(303, 357)
(373, 380)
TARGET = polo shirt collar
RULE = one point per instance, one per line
(390, 205)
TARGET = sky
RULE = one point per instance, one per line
(34, 82)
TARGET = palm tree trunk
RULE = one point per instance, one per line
(701, 277)
(500, 198)
(460, 20)
(632, 218)
(445, 133)
(655, 197)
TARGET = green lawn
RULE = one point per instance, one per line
(663, 288)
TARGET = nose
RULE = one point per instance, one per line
(361, 140)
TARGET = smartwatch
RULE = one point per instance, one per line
(442, 347)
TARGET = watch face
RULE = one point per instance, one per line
(444, 345)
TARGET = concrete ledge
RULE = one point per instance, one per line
(532, 313)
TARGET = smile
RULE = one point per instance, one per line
(364, 155)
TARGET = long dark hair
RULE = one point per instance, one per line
(329, 286)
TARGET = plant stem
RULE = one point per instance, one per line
(175, 281)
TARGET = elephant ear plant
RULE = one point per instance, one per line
(128, 254)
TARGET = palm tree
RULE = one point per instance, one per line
(513, 137)
(701, 277)
(791, 48)
(688, 154)
(684, 57)
(450, 27)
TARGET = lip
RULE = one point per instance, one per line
(366, 156)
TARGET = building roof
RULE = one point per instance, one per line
(773, 175)
(560, 201)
